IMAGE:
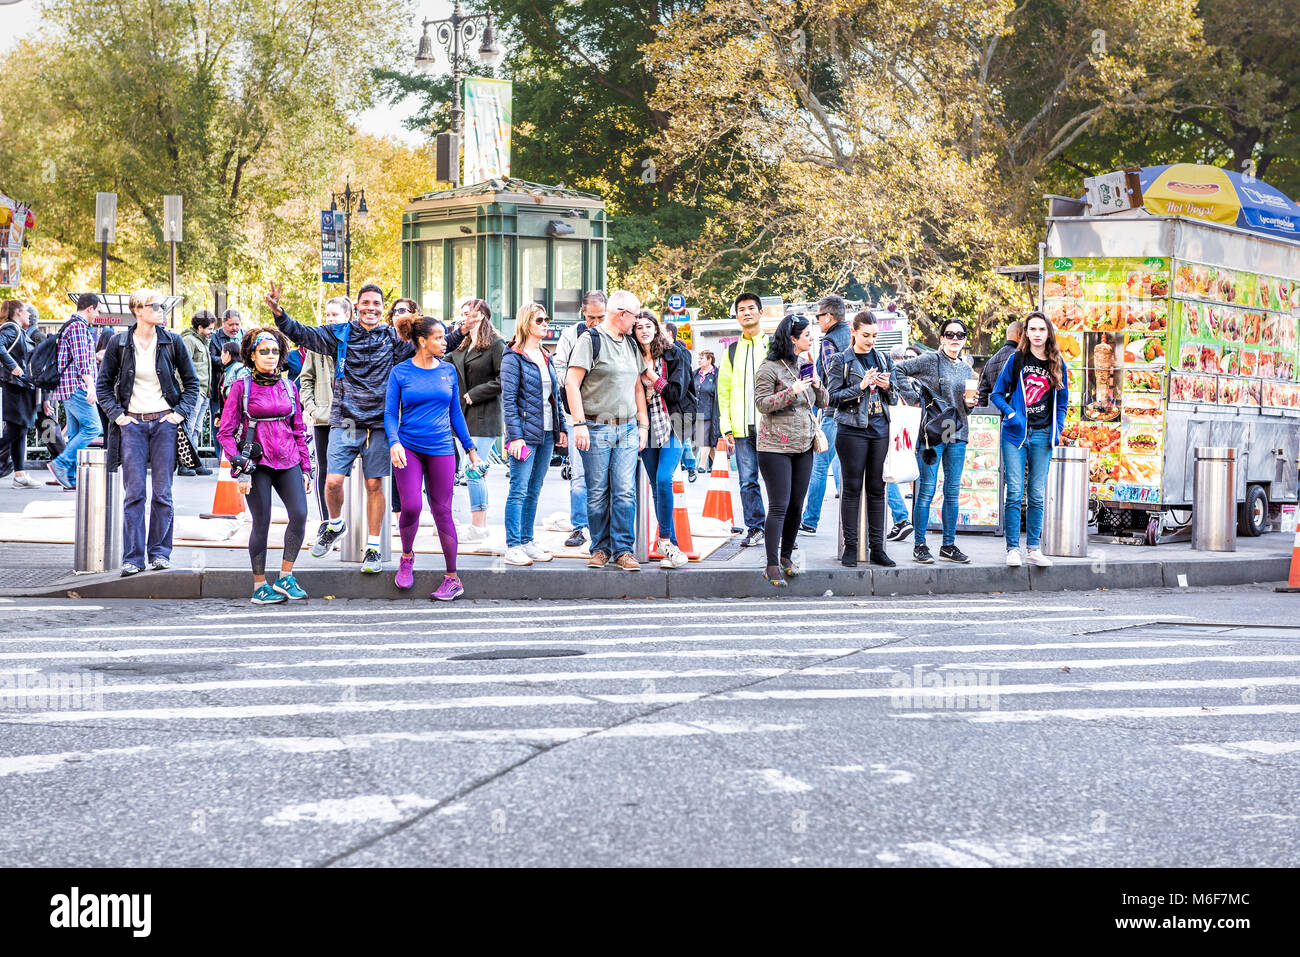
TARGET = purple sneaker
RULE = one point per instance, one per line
(405, 576)
(449, 589)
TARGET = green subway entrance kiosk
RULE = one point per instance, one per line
(507, 242)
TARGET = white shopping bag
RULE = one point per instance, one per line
(904, 432)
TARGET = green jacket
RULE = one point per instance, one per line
(201, 357)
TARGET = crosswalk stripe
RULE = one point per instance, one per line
(1241, 750)
(1097, 714)
(1118, 662)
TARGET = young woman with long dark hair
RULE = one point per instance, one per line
(663, 451)
(1033, 395)
(478, 365)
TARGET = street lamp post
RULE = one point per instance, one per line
(349, 199)
(455, 34)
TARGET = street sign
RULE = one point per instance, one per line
(331, 245)
(173, 228)
(677, 302)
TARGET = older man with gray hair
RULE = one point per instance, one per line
(610, 428)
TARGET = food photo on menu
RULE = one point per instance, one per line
(1101, 385)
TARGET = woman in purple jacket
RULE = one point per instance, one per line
(263, 409)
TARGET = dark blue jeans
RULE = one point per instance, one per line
(952, 456)
(151, 446)
(1036, 453)
(526, 478)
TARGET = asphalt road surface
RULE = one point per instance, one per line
(1096, 729)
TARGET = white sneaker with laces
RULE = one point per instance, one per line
(537, 553)
(1013, 558)
(1036, 557)
(673, 557)
(517, 556)
(472, 533)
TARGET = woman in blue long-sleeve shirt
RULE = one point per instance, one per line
(421, 412)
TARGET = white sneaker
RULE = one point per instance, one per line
(537, 553)
(1013, 558)
(472, 533)
(673, 557)
(1036, 557)
(517, 556)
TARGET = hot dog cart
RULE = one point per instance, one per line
(1177, 332)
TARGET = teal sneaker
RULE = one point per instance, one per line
(288, 586)
(264, 594)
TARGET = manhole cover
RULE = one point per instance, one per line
(1236, 631)
(525, 653)
(152, 668)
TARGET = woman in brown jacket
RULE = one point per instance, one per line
(788, 394)
(478, 365)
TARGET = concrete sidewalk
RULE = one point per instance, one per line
(216, 572)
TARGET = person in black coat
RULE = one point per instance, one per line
(704, 430)
(992, 368)
(20, 398)
(478, 367)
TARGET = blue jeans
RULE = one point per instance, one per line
(688, 455)
(577, 486)
(196, 417)
(897, 507)
(952, 456)
(83, 428)
(610, 466)
(823, 462)
(478, 496)
(151, 445)
(751, 498)
(526, 479)
(660, 464)
(1037, 454)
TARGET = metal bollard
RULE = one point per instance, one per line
(1214, 499)
(1065, 507)
(353, 544)
(97, 538)
(644, 509)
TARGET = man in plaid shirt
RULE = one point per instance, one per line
(76, 386)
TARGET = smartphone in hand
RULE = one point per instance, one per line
(806, 371)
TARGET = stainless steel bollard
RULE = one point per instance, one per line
(1065, 506)
(644, 509)
(353, 544)
(97, 538)
(1214, 499)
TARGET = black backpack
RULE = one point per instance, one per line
(940, 420)
(594, 332)
(43, 369)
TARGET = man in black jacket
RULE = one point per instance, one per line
(678, 359)
(993, 368)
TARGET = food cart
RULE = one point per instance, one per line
(1179, 330)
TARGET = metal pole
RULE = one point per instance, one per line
(173, 268)
(97, 534)
(103, 266)
(644, 503)
(862, 520)
(347, 243)
(355, 515)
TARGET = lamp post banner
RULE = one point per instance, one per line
(331, 245)
(487, 129)
(13, 220)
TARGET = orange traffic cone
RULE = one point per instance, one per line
(717, 501)
(681, 525)
(1293, 579)
(226, 501)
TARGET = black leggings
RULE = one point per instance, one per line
(862, 459)
(14, 440)
(322, 458)
(786, 477)
(288, 485)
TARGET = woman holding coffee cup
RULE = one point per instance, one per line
(534, 429)
(948, 377)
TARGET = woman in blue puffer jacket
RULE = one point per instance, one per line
(534, 429)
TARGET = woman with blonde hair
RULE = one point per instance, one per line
(478, 367)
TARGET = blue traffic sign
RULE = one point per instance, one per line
(676, 302)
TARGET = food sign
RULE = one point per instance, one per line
(979, 503)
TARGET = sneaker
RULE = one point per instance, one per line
(288, 586)
(472, 533)
(405, 576)
(325, 541)
(627, 562)
(1013, 558)
(188, 473)
(806, 529)
(26, 482)
(373, 564)
(264, 594)
(691, 473)
(577, 539)
(673, 557)
(517, 555)
(880, 557)
(951, 553)
(203, 470)
(598, 559)
(1036, 557)
(537, 553)
(921, 555)
(899, 532)
(160, 564)
(450, 589)
(60, 475)
(129, 570)
(755, 537)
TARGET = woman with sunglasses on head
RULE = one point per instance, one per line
(787, 394)
(1032, 394)
(263, 416)
(478, 366)
(664, 381)
(945, 374)
(421, 414)
(530, 399)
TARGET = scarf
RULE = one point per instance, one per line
(261, 378)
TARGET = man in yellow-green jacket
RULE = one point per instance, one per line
(738, 364)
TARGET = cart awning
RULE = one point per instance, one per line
(1219, 196)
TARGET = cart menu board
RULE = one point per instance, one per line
(1235, 336)
(979, 504)
(1112, 318)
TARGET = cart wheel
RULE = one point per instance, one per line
(1252, 514)
(1153, 529)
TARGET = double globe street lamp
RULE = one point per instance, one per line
(349, 199)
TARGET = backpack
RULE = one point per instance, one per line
(245, 418)
(594, 332)
(940, 420)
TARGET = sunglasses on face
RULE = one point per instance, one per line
(401, 311)
(268, 351)
(954, 335)
(541, 320)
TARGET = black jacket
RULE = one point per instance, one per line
(844, 372)
(14, 348)
(679, 394)
(989, 374)
(521, 399)
(480, 382)
(176, 377)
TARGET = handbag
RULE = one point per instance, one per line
(942, 420)
(820, 442)
(901, 467)
(187, 457)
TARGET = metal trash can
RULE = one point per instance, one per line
(1065, 505)
(97, 537)
(1214, 499)
(352, 546)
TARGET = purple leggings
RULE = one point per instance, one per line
(437, 473)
